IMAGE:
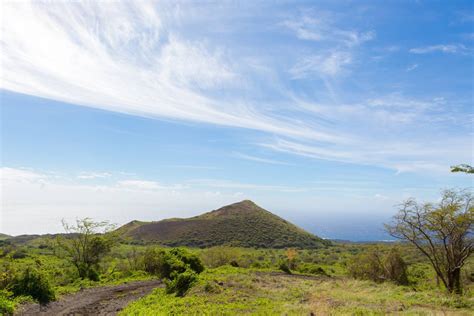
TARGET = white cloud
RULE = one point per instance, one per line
(93, 175)
(32, 206)
(449, 48)
(259, 159)
(121, 56)
(140, 184)
(320, 27)
(226, 184)
(331, 64)
(19, 175)
(411, 67)
(191, 65)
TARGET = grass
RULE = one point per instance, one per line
(256, 287)
(229, 291)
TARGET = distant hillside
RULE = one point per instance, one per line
(242, 224)
(4, 236)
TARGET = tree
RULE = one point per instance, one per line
(462, 168)
(442, 232)
(85, 244)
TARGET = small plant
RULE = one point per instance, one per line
(284, 267)
(376, 267)
(180, 283)
(291, 255)
(34, 284)
(212, 287)
(177, 266)
(7, 306)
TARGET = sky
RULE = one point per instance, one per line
(327, 113)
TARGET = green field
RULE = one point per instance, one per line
(246, 280)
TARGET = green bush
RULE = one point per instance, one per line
(34, 284)
(395, 268)
(284, 267)
(177, 266)
(378, 267)
(180, 283)
(193, 261)
(164, 263)
(7, 306)
(155, 262)
(311, 268)
(221, 255)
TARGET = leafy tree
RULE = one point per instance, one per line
(462, 168)
(443, 232)
(85, 244)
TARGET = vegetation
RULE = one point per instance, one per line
(35, 284)
(322, 278)
(85, 245)
(178, 267)
(229, 291)
(241, 224)
(462, 168)
(442, 232)
(379, 268)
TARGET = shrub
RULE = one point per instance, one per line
(177, 266)
(7, 306)
(373, 266)
(19, 254)
(284, 267)
(155, 262)
(367, 266)
(218, 256)
(34, 284)
(193, 261)
(212, 287)
(180, 283)
(311, 269)
(395, 268)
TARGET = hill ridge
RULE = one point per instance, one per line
(242, 223)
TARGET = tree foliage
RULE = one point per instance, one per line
(462, 168)
(443, 232)
(85, 245)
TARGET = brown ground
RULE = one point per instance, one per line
(106, 300)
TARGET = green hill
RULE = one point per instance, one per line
(242, 224)
(4, 236)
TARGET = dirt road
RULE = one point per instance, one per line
(106, 300)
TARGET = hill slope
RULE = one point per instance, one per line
(4, 236)
(240, 224)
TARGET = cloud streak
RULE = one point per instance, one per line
(447, 48)
(131, 57)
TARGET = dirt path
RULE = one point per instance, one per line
(105, 300)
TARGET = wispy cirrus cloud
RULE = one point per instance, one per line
(93, 175)
(316, 26)
(135, 58)
(411, 67)
(120, 57)
(442, 48)
(259, 159)
(331, 64)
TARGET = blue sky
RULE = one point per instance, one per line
(326, 113)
